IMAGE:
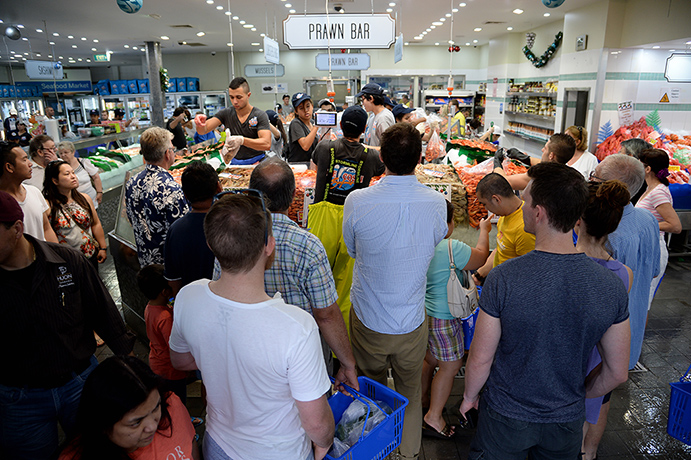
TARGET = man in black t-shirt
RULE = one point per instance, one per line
(249, 126)
(175, 126)
(342, 166)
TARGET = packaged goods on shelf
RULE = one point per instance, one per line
(532, 132)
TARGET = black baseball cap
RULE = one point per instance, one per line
(299, 98)
(119, 112)
(388, 101)
(372, 89)
(95, 112)
(400, 110)
(355, 117)
(273, 116)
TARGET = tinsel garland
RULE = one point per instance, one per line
(547, 55)
(165, 81)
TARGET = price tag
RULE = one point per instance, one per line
(433, 173)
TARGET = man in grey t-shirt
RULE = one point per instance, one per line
(380, 117)
(243, 120)
(533, 336)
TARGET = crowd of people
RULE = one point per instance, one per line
(264, 312)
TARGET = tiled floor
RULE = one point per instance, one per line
(637, 426)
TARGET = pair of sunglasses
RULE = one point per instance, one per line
(254, 193)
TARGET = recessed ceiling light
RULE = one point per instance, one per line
(288, 5)
(671, 51)
(437, 23)
(40, 31)
(210, 2)
(688, 43)
(546, 15)
(201, 34)
(184, 43)
(477, 29)
(20, 26)
(26, 54)
(436, 44)
(247, 26)
(518, 11)
(135, 48)
(228, 13)
(455, 10)
(656, 47)
(70, 37)
(428, 30)
(93, 49)
(261, 50)
(509, 28)
(461, 5)
(229, 44)
(613, 52)
(467, 44)
(262, 35)
(50, 56)
(95, 40)
(255, 44)
(243, 21)
(389, 10)
(88, 60)
(442, 19)
(474, 41)
(235, 18)
(79, 59)
(293, 11)
(165, 37)
(432, 27)
(392, 4)
(38, 54)
(406, 43)
(83, 39)
(253, 29)
(74, 46)
(450, 42)
(127, 46)
(55, 34)
(417, 38)
(60, 57)
(219, 7)
(142, 49)
(25, 39)
(448, 15)
(423, 33)
(52, 43)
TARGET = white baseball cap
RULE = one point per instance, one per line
(13, 112)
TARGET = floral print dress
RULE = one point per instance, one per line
(72, 226)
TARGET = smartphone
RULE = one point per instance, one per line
(325, 118)
(470, 421)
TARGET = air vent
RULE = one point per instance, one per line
(494, 22)
(181, 26)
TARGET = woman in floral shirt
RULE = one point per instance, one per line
(72, 214)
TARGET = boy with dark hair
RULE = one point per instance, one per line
(249, 127)
(187, 257)
(495, 193)
(158, 316)
(380, 119)
(400, 150)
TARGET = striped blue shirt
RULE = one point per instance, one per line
(391, 230)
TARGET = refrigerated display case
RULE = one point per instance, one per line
(190, 100)
(89, 103)
(24, 107)
(113, 102)
(74, 114)
(170, 106)
(139, 107)
(214, 102)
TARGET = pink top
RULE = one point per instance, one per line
(657, 196)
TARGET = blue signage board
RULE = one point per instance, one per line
(61, 86)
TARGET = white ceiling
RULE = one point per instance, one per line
(102, 20)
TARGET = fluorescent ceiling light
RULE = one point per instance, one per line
(432, 27)
(247, 26)
(437, 23)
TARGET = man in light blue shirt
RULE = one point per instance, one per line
(391, 230)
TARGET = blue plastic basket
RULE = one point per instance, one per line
(679, 419)
(386, 436)
(469, 328)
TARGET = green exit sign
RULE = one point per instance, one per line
(102, 57)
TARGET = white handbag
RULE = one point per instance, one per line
(461, 293)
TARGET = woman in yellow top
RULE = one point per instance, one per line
(455, 111)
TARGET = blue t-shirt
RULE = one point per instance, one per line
(187, 256)
(436, 301)
(553, 308)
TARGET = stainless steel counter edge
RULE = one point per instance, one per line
(91, 141)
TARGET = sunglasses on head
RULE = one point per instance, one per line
(254, 193)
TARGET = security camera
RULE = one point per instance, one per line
(338, 8)
(213, 53)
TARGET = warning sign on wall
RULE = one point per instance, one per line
(664, 98)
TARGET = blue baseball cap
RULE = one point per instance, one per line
(372, 89)
(273, 116)
(299, 98)
(400, 110)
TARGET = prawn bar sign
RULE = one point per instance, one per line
(344, 61)
(317, 31)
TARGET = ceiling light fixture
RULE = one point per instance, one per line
(165, 37)
(428, 30)
(20, 26)
(229, 44)
(442, 19)
(135, 48)
(52, 43)
(79, 59)
(406, 43)
(95, 40)
(74, 46)
(509, 28)
(437, 23)
(235, 18)
(93, 49)
(477, 29)
(432, 27)
(261, 50)
(127, 46)
(247, 26)
(392, 4)
(243, 21)
(546, 15)
(228, 13)
(83, 39)
(293, 11)
(656, 47)
(55, 34)
(448, 15)
(474, 41)
(455, 10)
(253, 29)
(461, 5)
(436, 44)
(288, 5)
(467, 44)
(255, 44)
(88, 60)
(201, 34)
(40, 31)
(262, 35)
(210, 2)
(389, 10)
(70, 37)
(219, 7)
(518, 11)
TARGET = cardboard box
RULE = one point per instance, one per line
(143, 85)
(192, 84)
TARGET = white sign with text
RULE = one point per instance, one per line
(271, 50)
(43, 70)
(318, 31)
(343, 61)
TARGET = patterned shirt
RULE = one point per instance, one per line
(300, 271)
(153, 201)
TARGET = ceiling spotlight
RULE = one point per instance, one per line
(165, 37)
(83, 39)
(546, 15)
(95, 40)
(448, 15)
(201, 34)
(70, 37)
(293, 11)
(20, 26)
(135, 48)
(60, 57)
(55, 34)
(88, 60)
(389, 10)
(93, 49)
(52, 43)
(428, 30)
(262, 35)
(261, 50)
(253, 29)
(509, 28)
(25, 39)
(417, 38)
(79, 59)
(467, 44)
(477, 29)
(255, 44)
(450, 42)
(392, 4)
(436, 44)
(518, 11)
(243, 21)
(235, 18)
(127, 46)
(74, 46)
(461, 5)
(656, 47)
(432, 27)
(40, 31)
(210, 2)
(228, 13)
(455, 10)
(219, 7)
(474, 41)
(288, 5)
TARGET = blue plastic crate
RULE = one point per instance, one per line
(386, 436)
(143, 85)
(192, 84)
(181, 85)
(679, 417)
(132, 86)
(681, 195)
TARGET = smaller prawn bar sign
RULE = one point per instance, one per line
(317, 31)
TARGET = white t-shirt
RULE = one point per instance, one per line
(37, 175)
(84, 172)
(585, 164)
(256, 360)
(33, 206)
(376, 125)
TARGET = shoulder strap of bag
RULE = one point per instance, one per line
(452, 263)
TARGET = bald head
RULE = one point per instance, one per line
(276, 181)
(622, 167)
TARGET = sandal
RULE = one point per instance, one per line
(99, 340)
(446, 433)
(196, 421)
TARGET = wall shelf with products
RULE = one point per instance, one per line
(528, 131)
(531, 116)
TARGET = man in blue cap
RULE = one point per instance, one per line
(380, 117)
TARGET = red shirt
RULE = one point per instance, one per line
(159, 322)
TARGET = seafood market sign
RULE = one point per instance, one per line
(317, 31)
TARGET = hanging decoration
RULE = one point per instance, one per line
(547, 55)
(165, 81)
(530, 39)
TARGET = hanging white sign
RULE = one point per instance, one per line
(43, 70)
(271, 50)
(678, 68)
(398, 49)
(317, 31)
(264, 70)
(343, 61)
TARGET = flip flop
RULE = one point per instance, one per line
(445, 433)
(99, 340)
(196, 421)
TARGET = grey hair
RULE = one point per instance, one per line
(154, 143)
(625, 168)
(66, 145)
(635, 146)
